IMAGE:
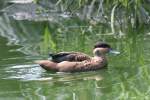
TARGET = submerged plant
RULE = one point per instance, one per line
(48, 43)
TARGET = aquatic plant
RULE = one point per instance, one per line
(121, 14)
(118, 14)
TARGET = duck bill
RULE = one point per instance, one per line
(114, 52)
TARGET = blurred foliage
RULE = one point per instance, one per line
(134, 12)
(48, 43)
(119, 14)
(75, 25)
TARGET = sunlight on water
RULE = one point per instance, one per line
(23, 72)
(21, 1)
(22, 42)
(31, 81)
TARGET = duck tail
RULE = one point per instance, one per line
(48, 65)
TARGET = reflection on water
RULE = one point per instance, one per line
(25, 72)
(59, 89)
(23, 42)
(21, 78)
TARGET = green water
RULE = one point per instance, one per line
(23, 42)
(127, 76)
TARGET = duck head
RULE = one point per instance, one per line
(102, 49)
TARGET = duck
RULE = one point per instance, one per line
(77, 61)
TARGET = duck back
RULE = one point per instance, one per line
(69, 56)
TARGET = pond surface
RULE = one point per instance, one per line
(23, 42)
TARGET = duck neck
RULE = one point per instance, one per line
(99, 55)
(102, 57)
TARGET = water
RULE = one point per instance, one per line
(23, 42)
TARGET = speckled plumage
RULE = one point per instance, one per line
(76, 61)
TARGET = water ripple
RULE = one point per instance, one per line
(24, 72)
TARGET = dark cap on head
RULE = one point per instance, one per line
(101, 45)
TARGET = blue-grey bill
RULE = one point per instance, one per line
(114, 52)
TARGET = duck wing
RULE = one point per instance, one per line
(69, 56)
(86, 65)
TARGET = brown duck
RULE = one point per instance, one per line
(76, 61)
